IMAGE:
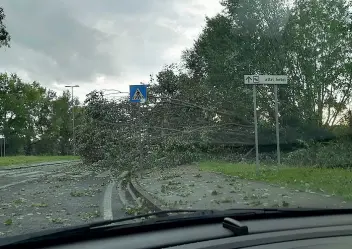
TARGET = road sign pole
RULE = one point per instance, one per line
(277, 126)
(256, 128)
(140, 135)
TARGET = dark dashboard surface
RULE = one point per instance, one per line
(334, 231)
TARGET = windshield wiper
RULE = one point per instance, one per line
(252, 213)
(160, 214)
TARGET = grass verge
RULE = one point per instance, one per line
(334, 181)
(20, 160)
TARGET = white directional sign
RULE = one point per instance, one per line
(265, 79)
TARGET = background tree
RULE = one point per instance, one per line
(4, 35)
(318, 61)
(34, 119)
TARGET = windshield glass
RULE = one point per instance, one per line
(110, 109)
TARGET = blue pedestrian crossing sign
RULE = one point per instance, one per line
(138, 93)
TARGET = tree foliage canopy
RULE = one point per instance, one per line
(4, 35)
(33, 119)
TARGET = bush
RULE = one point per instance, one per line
(332, 154)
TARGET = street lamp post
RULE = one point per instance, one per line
(3, 146)
(73, 120)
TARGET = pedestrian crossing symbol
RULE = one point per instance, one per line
(138, 93)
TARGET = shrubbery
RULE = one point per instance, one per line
(337, 153)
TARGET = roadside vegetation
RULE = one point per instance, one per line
(20, 160)
(321, 167)
(330, 181)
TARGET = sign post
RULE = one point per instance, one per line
(138, 94)
(277, 126)
(256, 130)
(3, 146)
(266, 80)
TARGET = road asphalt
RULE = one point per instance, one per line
(53, 196)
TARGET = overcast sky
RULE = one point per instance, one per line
(98, 44)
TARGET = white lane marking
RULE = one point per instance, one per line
(104, 174)
(107, 201)
(59, 175)
(29, 173)
(86, 173)
(8, 172)
(15, 183)
(40, 175)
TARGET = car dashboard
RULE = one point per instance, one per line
(330, 231)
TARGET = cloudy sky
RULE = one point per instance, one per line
(98, 44)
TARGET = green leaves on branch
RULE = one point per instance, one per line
(4, 35)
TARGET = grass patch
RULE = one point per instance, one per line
(56, 220)
(8, 222)
(333, 181)
(90, 215)
(20, 160)
(85, 192)
(39, 205)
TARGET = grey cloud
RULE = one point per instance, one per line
(65, 40)
(68, 49)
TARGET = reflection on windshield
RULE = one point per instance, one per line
(255, 114)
